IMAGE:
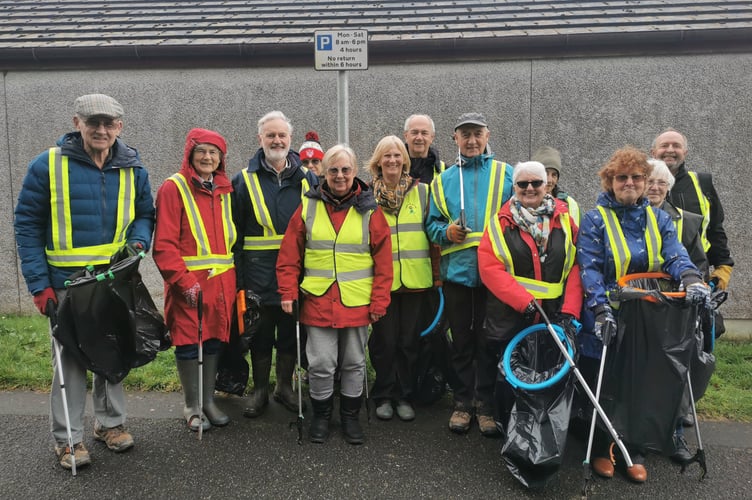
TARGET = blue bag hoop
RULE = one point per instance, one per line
(514, 381)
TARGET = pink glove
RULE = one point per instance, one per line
(191, 295)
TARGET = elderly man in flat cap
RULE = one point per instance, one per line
(464, 199)
(82, 200)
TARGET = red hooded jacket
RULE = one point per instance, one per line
(173, 240)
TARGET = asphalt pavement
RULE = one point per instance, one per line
(261, 458)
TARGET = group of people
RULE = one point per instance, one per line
(330, 254)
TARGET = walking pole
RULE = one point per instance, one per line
(586, 388)
(50, 310)
(200, 365)
(299, 371)
(462, 191)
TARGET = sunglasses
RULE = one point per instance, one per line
(525, 184)
(634, 177)
(335, 171)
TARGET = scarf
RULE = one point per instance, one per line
(535, 221)
(390, 198)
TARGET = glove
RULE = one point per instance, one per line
(721, 275)
(605, 324)
(41, 298)
(530, 312)
(697, 293)
(134, 248)
(456, 233)
(191, 295)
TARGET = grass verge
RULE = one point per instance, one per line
(25, 365)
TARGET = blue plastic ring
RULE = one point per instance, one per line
(514, 381)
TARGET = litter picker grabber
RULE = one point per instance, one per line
(299, 374)
(50, 311)
(699, 456)
(586, 388)
(462, 220)
(200, 313)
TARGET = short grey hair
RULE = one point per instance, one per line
(430, 120)
(662, 172)
(273, 115)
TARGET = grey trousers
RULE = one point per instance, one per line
(108, 400)
(328, 347)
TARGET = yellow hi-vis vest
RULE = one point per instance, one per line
(344, 257)
(537, 288)
(270, 240)
(411, 258)
(704, 208)
(206, 258)
(574, 209)
(63, 253)
(620, 249)
(493, 204)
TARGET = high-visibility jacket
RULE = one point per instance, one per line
(271, 239)
(618, 243)
(494, 201)
(704, 209)
(410, 247)
(63, 253)
(206, 257)
(344, 257)
(537, 288)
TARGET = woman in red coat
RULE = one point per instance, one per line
(337, 250)
(193, 241)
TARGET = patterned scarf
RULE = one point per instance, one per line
(536, 221)
(390, 198)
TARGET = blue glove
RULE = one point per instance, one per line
(605, 324)
(697, 293)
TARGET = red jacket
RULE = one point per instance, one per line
(173, 239)
(508, 291)
(328, 311)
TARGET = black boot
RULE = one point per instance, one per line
(349, 409)
(261, 365)
(318, 432)
(283, 391)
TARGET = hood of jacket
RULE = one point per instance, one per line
(202, 136)
(121, 155)
(607, 199)
(360, 197)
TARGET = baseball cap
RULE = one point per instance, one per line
(471, 119)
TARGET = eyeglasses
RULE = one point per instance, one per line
(214, 153)
(336, 171)
(95, 124)
(313, 161)
(525, 184)
(654, 182)
(634, 177)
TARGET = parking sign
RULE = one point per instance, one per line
(341, 50)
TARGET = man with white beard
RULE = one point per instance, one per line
(266, 194)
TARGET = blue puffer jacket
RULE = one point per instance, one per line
(256, 270)
(461, 267)
(596, 261)
(93, 199)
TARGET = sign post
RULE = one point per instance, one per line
(341, 50)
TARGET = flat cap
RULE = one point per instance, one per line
(98, 105)
(471, 119)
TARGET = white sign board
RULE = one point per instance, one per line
(341, 50)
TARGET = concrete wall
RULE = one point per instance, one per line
(585, 107)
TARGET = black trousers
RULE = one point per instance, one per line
(276, 329)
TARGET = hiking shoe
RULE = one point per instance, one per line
(405, 411)
(80, 452)
(459, 422)
(116, 438)
(487, 426)
(681, 455)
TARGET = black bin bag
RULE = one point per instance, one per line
(109, 322)
(543, 389)
(647, 367)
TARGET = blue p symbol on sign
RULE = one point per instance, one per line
(323, 42)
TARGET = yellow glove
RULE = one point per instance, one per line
(722, 274)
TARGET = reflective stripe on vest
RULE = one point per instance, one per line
(63, 253)
(411, 258)
(271, 240)
(537, 288)
(679, 223)
(205, 258)
(704, 208)
(344, 257)
(574, 209)
(493, 204)
(619, 247)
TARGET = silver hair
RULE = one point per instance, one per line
(273, 115)
(430, 120)
(662, 172)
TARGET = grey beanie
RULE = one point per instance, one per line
(549, 157)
